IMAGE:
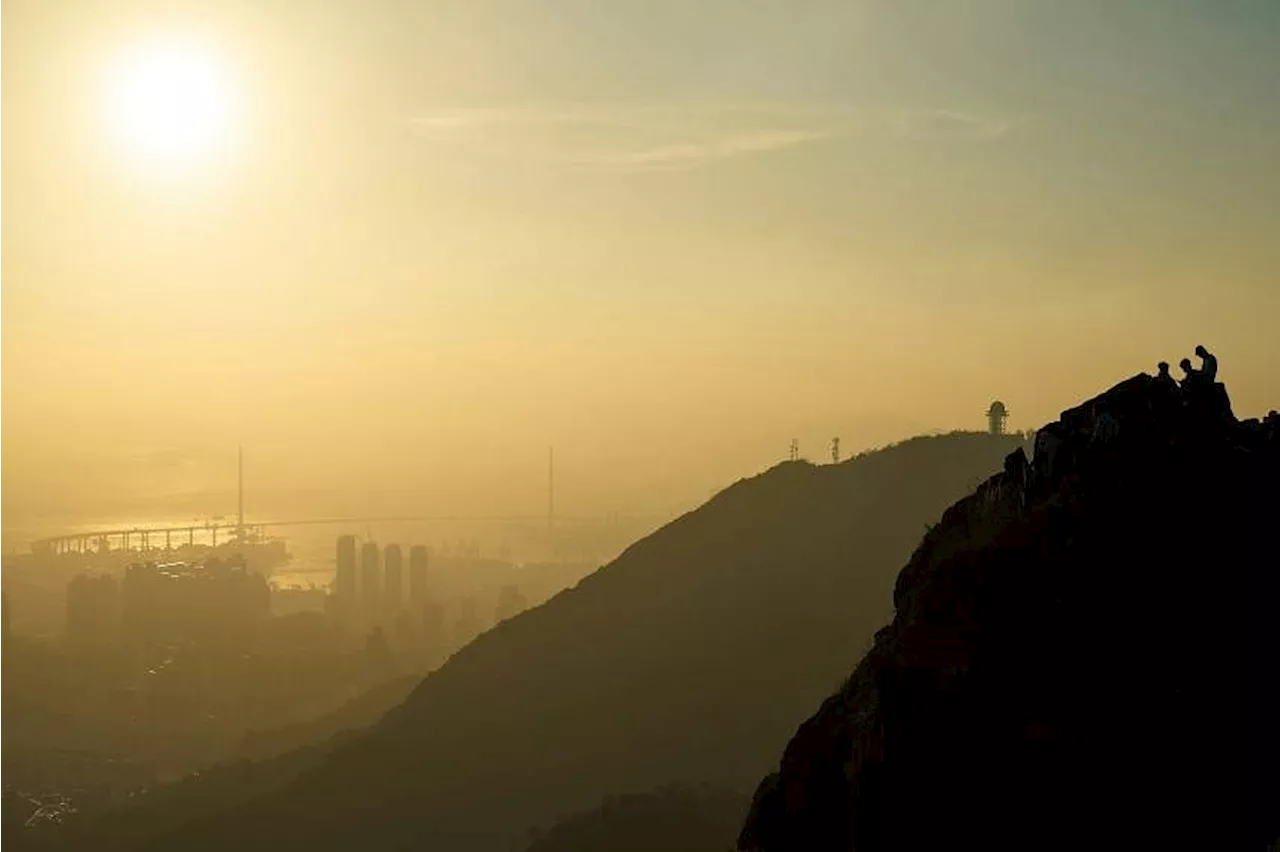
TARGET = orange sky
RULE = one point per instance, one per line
(664, 238)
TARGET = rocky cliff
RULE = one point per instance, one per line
(1084, 654)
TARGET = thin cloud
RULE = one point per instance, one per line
(674, 137)
(692, 154)
(464, 120)
(945, 123)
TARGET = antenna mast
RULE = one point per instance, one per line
(835, 450)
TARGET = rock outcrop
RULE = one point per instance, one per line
(1085, 654)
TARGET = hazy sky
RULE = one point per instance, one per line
(665, 237)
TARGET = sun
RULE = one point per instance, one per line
(171, 103)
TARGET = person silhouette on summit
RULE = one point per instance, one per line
(1165, 397)
(1192, 374)
(1208, 365)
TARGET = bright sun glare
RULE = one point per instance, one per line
(170, 103)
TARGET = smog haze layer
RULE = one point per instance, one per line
(397, 250)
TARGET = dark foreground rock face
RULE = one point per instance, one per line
(1085, 655)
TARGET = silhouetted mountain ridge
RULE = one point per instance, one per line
(1083, 654)
(672, 819)
(676, 663)
(359, 712)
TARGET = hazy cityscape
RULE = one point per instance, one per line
(160, 649)
(165, 648)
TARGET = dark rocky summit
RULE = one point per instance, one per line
(1085, 654)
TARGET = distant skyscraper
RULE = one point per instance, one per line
(418, 574)
(345, 582)
(180, 602)
(394, 574)
(370, 579)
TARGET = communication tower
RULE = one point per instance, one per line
(997, 414)
(795, 449)
(835, 450)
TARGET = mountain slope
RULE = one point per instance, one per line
(1083, 655)
(675, 663)
(359, 712)
(676, 819)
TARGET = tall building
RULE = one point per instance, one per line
(370, 580)
(393, 569)
(418, 574)
(345, 582)
(217, 602)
